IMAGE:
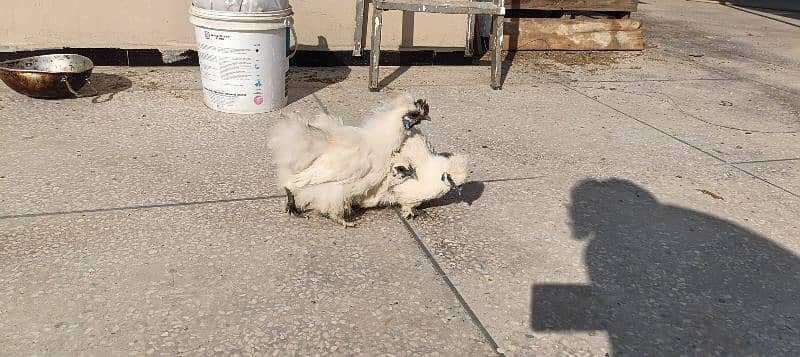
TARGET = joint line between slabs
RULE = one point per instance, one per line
(439, 271)
(666, 80)
(681, 141)
(764, 161)
(133, 208)
(763, 180)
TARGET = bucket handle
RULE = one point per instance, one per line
(294, 37)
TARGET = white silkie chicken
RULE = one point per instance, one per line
(418, 175)
(326, 166)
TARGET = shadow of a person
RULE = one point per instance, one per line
(667, 280)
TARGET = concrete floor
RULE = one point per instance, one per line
(620, 203)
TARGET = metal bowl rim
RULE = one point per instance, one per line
(90, 67)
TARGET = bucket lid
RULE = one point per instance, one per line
(241, 5)
(267, 16)
(241, 21)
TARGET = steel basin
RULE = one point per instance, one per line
(48, 76)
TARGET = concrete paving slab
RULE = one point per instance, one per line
(653, 64)
(525, 138)
(524, 68)
(185, 82)
(734, 120)
(697, 39)
(237, 277)
(785, 173)
(513, 232)
(603, 217)
(140, 148)
(614, 265)
(109, 80)
(756, 47)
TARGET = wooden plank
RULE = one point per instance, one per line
(573, 35)
(577, 5)
(442, 7)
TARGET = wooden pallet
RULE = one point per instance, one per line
(573, 25)
(573, 34)
(574, 5)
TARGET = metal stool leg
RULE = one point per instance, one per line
(358, 35)
(469, 49)
(497, 51)
(375, 51)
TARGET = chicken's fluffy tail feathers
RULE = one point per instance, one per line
(458, 168)
(295, 144)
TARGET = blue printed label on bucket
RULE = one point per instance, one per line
(288, 42)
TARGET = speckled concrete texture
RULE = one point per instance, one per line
(623, 204)
(236, 277)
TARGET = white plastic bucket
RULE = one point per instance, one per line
(244, 58)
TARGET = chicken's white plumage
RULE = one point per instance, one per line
(327, 166)
(436, 175)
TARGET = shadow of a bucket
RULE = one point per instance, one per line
(305, 81)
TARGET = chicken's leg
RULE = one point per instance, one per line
(344, 222)
(291, 207)
(411, 212)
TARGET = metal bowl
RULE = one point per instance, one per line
(49, 76)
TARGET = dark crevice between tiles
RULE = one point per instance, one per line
(653, 80)
(512, 179)
(439, 271)
(131, 208)
(748, 173)
(764, 161)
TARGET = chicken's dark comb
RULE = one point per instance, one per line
(422, 106)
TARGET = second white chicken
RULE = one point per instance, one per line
(418, 175)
